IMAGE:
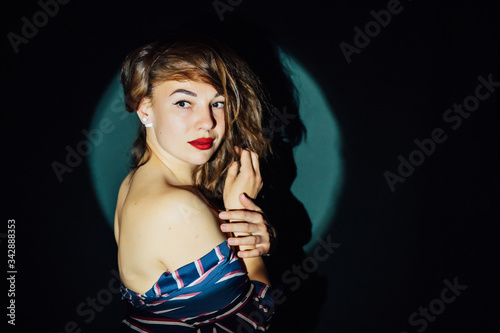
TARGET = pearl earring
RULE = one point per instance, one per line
(147, 125)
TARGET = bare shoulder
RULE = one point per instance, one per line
(166, 208)
(176, 206)
(168, 225)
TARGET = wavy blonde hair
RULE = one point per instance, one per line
(181, 57)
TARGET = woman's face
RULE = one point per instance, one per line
(188, 119)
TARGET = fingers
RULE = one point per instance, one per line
(257, 252)
(243, 240)
(232, 172)
(251, 246)
(238, 150)
(243, 215)
(246, 162)
(253, 238)
(255, 163)
(249, 204)
(241, 228)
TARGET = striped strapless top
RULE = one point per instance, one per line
(210, 294)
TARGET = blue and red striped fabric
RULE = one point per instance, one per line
(211, 294)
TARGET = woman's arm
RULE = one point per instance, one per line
(261, 234)
(244, 179)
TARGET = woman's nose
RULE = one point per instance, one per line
(206, 118)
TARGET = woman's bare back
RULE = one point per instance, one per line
(160, 227)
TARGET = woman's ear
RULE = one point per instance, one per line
(145, 112)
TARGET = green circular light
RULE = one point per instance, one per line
(318, 158)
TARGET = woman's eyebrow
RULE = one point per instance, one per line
(184, 91)
(190, 93)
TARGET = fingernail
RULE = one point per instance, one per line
(223, 227)
(231, 241)
(222, 215)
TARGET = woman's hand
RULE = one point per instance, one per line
(243, 177)
(251, 222)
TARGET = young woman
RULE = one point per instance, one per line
(200, 141)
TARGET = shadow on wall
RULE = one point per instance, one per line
(301, 295)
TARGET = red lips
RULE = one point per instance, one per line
(202, 143)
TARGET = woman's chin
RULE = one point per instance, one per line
(202, 158)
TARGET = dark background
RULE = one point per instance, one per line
(396, 247)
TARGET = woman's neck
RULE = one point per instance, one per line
(178, 175)
(177, 172)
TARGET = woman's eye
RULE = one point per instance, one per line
(182, 104)
(218, 105)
